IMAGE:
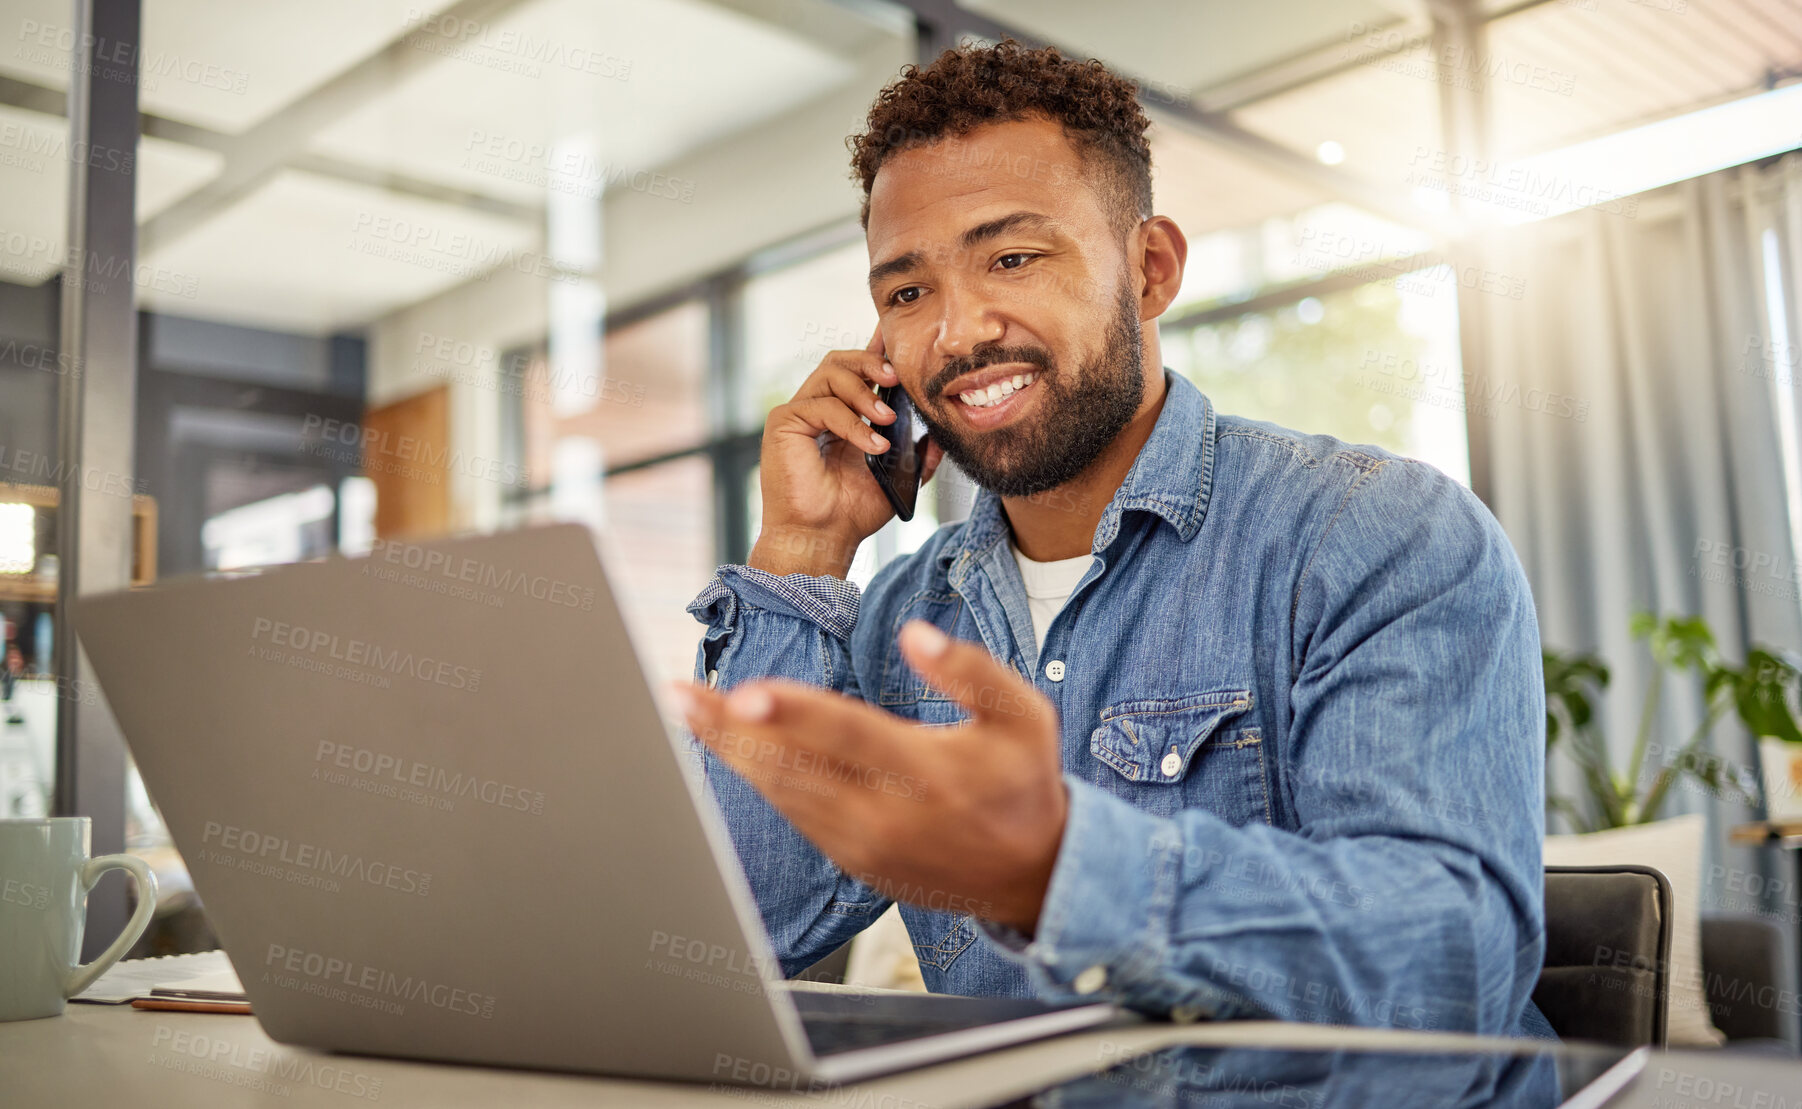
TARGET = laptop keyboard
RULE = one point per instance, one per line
(832, 1037)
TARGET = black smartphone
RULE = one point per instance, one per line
(898, 469)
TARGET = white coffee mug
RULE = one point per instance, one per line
(45, 876)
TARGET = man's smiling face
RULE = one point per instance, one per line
(1008, 307)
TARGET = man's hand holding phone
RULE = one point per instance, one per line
(820, 499)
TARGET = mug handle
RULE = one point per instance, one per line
(81, 977)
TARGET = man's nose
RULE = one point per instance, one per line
(966, 321)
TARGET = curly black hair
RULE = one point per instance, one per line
(965, 88)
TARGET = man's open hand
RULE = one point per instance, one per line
(970, 815)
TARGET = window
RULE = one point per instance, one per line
(795, 316)
(658, 527)
(1375, 364)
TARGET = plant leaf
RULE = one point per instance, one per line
(1762, 694)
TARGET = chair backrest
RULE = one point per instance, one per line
(1607, 954)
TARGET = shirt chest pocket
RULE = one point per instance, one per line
(1169, 754)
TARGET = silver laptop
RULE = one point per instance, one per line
(434, 811)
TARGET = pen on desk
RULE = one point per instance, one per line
(183, 1006)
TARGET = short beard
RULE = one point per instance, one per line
(1076, 422)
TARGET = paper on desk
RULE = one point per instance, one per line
(134, 978)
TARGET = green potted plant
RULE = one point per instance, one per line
(1762, 693)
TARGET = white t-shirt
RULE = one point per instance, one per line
(1048, 586)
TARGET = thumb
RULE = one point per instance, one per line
(972, 677)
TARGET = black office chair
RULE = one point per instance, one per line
(1607, 954)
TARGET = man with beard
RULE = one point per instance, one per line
(1193, 712)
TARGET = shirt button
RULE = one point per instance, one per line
(1090, 980)
(1172, 763)
(713, 678)
(1055, 670)
(1187, 1014)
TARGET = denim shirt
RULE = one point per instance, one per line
(1302, 724)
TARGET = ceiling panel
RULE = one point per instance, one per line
(1630, 63)
(34, 181)
(1206, 188)
(314, 255)
(1384, 115)
(219, 65)
(487, 118)
(1197, 42)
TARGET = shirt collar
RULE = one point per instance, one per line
(1170, 478)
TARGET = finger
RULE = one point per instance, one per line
(831, 414)
(855, 391)
(972, 677)
(871, 368)
(750, 755)
(778, 733)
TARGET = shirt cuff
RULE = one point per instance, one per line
(830, 602)
(1104, 929)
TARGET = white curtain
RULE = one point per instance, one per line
(1637, 403)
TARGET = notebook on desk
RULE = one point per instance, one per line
(434, 811)
(208, 974)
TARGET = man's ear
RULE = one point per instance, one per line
(1162, 252)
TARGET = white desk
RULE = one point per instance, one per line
(98, 1056)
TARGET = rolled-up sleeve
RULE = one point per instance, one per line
(794, 626)
(1409, 895)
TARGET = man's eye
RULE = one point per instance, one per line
(1023, 259)
(895, 297)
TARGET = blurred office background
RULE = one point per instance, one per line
(402, 268)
